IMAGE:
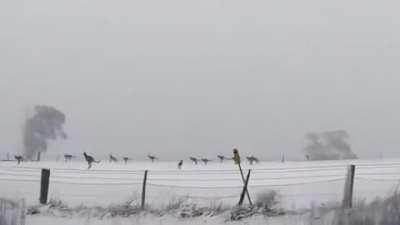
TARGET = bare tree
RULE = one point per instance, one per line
(46, 124)
(329, 145)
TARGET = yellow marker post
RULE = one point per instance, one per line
(236, 159)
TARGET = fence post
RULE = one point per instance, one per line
(44, 185)
(348, 188)
(244, 182)
(144, 189)
(244, 191)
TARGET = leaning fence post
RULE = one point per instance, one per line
(348, 187)
(144, 189)
(44, 185)
(244, 191)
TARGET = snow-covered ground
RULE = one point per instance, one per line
(168, 220)
(299, 184)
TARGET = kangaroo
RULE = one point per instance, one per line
(89, 159)
(205, 160)
(126, 159)
(194, 160)
(19, 158)
(113, 158)
(152, 158)
(221, 158)
(180, 164)
(252, 159)
(68, 157)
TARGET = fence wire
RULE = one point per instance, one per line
(297, 186)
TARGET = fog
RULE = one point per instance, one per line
(183, 78)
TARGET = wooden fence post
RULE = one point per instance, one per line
(348, 188)
(244, 191)
(244, 182)
(44, 186)
(144, 189)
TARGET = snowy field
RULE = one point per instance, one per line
(299, 184)
(168, 220)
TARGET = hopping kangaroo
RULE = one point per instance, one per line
(19, 158)
(252, 159)
(205, 160)
(126, 159)
(68, 157)
(194, 160)
(152, 158)
(113, 158)
(89, 159)
(221, 158)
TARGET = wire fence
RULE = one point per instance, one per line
(297, 186)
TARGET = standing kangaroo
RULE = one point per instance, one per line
(89, 159)
(180, 164)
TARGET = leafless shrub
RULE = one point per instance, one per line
(175, 203)
(217, 208)
(391, 210)
(126, 209)
(267, 200)
(12, 212)
(267, 204)
(378, 212)
(241, 212)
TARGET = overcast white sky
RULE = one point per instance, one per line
(198, 77)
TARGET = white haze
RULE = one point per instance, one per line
(197, 77)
